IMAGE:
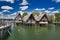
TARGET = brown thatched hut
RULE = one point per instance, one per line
(29, 19)
(18, 18)
(42, 19)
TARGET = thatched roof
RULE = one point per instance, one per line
(38, 18)
(25, 18)
(18, 15)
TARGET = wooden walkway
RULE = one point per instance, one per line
(4, 26)
(56, 22)
(26, 22)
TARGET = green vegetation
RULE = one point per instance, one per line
(51, 18)
(57, 17)
(44, 13)
(24, 14)
(35, 13)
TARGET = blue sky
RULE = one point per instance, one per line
(14, 6)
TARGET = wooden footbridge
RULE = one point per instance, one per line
(56, 22)
(4, 26)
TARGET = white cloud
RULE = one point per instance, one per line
(5, 11)
(55, 11)
(13, 13)
(21, 12)
(56, 0)
(51, 8)
(11, 1)
(47, 11)
(40, 9)
(29, 13)
(24, 2)
(6, 7)
(23, 7)
(0, 12)
(37, 9)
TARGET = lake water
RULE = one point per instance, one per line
(35, 32)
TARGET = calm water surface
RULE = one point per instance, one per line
(25, 32)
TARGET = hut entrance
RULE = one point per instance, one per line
(44, 19)
(31, 19)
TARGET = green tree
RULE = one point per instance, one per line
(24, 14)
(44, 13)
(57, 17)
(51, 17)
(35, 13)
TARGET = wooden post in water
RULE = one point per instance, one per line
(12, 26)
(2, 34)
